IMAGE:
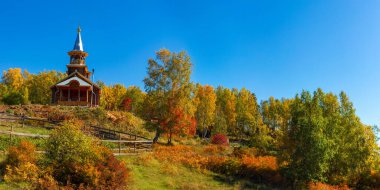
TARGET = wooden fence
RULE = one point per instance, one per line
(126, 143)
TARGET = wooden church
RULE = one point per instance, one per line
(76, 89)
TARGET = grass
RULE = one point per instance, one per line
(5, 140)
(6, 126)
(149, 173)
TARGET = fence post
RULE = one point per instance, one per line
(10, 138)
(119, 143)
(134, 147)
(22, 121)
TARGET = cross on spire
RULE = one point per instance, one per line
(78, 46)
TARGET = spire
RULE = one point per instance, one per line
(78, 46)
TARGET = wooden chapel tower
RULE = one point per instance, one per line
(76, 89)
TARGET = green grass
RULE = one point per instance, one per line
(149, 173)
(26, 129)
(5, 141)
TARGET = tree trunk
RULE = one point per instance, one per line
(204, 133)
(158, 133)
(170, 137)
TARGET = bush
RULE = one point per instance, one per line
(21, 154)
(322, 186)
(79, 161)
(113, 173)
(219, 139)
(14, 98)
(20, 164)
(240, 152)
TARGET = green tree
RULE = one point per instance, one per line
(169, 88)
(326, 140)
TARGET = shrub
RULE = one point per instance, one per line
(113, 173)
(240, 152)
(26, 172)
(322, 186)
(46, 182)
(14, 98)
(79, 161)
(219, 139)
(19, 165)
(23, 153)
(213, 149)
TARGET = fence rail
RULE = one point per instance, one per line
(134, 143)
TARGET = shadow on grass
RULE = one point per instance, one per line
(243, 183)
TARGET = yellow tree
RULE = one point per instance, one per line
(112, 96)
(14, 78)
(16, 90)
(205, 100)
(249, 119)
(39, 86)
(225, 113)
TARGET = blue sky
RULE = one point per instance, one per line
(273, 48)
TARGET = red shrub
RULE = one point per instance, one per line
(219, 139)
(113, 173)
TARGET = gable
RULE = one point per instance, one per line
(67, 82)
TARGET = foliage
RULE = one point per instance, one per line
(250, 123)
(23, 153)
(133, 100)
(258, 168)
(319, 186)
(325, 138)
(205, 101)
(19, 87)
(219, 139)
(225, 112)
(20, 164)
(79, 160)
(113, 96)
(276, 115)
(14, 98)
(39, 86)
(168, 105)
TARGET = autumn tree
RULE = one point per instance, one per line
(39, 86)
(133, 100)
(168, 86)
(13, 81)
(225, 112)
(113, 96)
(276, 115)
(249, 120)
(205, 101)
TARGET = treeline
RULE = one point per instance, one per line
(316, 136)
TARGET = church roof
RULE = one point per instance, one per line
(78, 46)
(76, 75)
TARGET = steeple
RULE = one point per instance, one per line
(78, 46)
(78, 58)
